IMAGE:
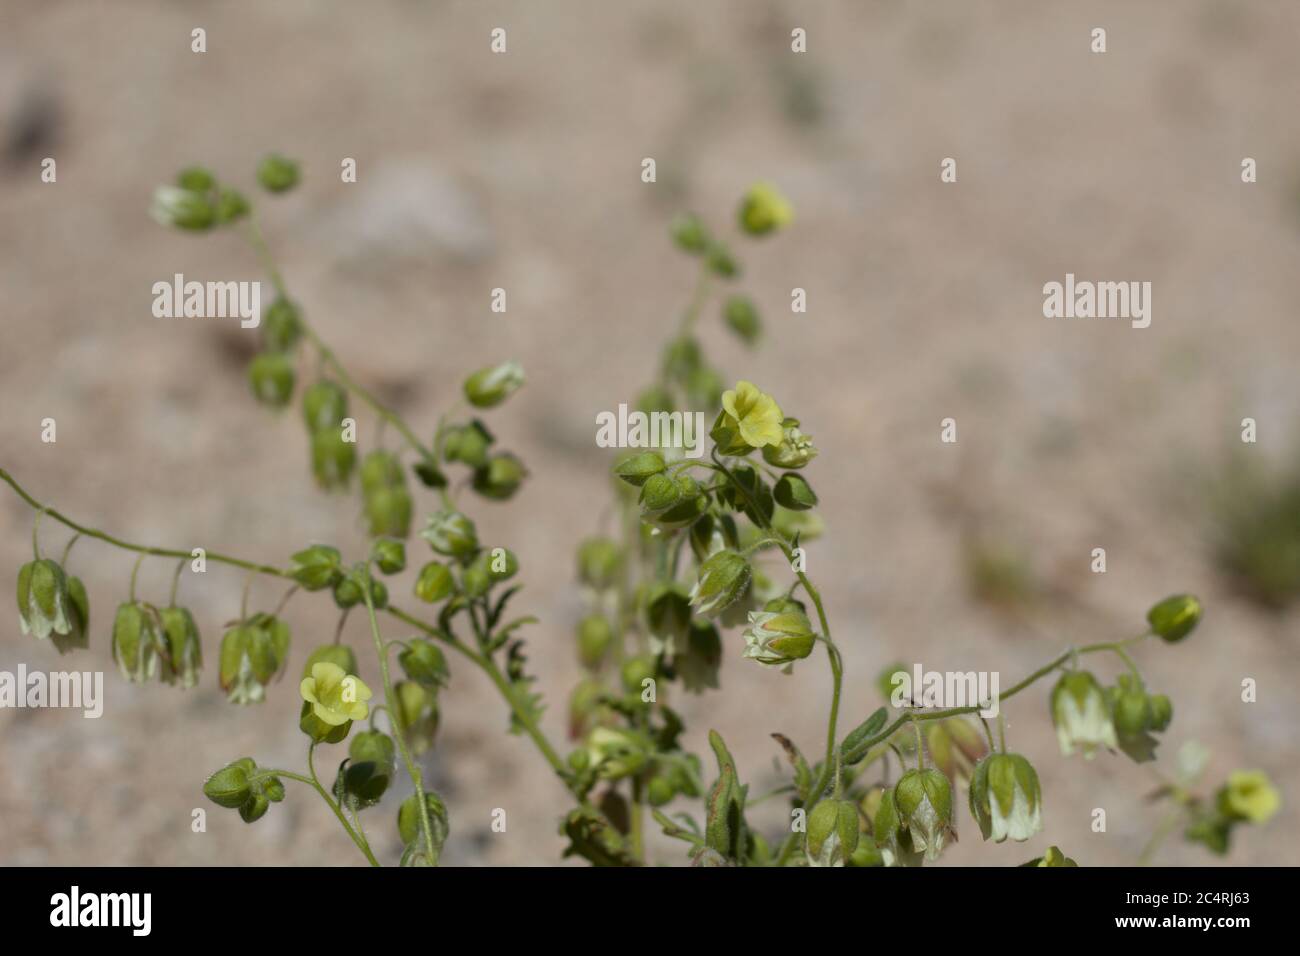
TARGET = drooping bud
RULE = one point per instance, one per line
(742, 318)
(955, 747)
(1175, 617)
(434, 583)
(317, 567)
(599, 561)
(372, 759)
(44, 607)
(500, 477)
(185, 649)
(1081, 714)
(409, 825)
(252, 653)
(231, 205)
(832, 835)
(229, 786)
(271, 377)
(489, 387)
(617, 753)
(595, 637)
(778, 639)
(720, 260)
(138, 643)
(78, 635)
(893, 839)
(723, 579)
(324, 405)
(1005, 798)
(332, 458)
(452, 534)
(389, 555)
(423, 662)
(924, 801)
(182, 208)
(380, 469)
(281, 330)
(689, 234)
(467, 444)
(277, 174)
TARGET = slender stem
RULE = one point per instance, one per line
(243, 598)
(36, 537)
(176, 580)
(637, 818)
(920, 747)
(67, 548)
(315, 783)
(395, 715)
(285, 600)
(1002, 732)
(135, 570)
(343, 619)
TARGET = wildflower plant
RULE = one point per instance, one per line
(710, 558)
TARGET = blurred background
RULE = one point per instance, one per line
(522, 171)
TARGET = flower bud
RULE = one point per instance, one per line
(793, 491)
(660, 790)
(196, 179)
(429, 474)
(452, 534)
(1129, 709)
(489, 387)
(185, 649)
(924, 800)
(324, 405)
(764, 210)
(231, 205)
(418, 714)
(1162, 712)
(893, 839)
(719, 260)
(277, 174)
(690, 504)
(742, 318)
(637, 469)
(1081, 714)
(388, 512)
(270, 375)
(595, 637)
(281, 330)
(500, 478)
(832, 835)
(689, 233)
(229, 786)
(1005, 798)
(467, 444)
(372, 762)
(795, 449)
(252, 653)
(434, 583)
(43, 604)
(1052, 857)
(1174, 617)
(617, 753)
(777, 639)
(423, 662)
(586, 707)
(254, 808)
(78, 618)
(599, 563)
(636, 671)
(332, 458)
(380, 469)
(182, 208)
(389, 555)
(317, 567)
(659, 493)
(667, 615)
(723, 579)
(137, 641)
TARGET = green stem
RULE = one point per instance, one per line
(314, 783)
(36, 537)
(394, 715)
(67, 549)
(135, 570)
(176, 581)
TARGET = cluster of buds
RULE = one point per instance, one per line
(148, 642)
(240, 786)
(197, 202)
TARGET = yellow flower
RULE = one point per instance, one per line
(1250, 794)
(755, 415)
(335, 695)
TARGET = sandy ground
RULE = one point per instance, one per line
(522, 171)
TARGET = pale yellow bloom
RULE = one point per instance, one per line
(754, 414)
(1250, 794)
(335, 695)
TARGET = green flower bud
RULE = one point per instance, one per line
(924, 800)
(231, 205)
(317, 567)
(78, 618)
(434, 583)
(595, 637)
(659, 791)
(452, 534)
(429, 474)
(389, 554)
(795, 450)
(1081, 714)
(793, 492)
(182, 208)
(636, 671)
(252, 653)
(418, 714)
(893, 839)
(185, 649)
(742, 318)
(1162, 712)
(229, 786)
(475, 580)
(637, 469)
(467, 444)
(388, 511)
(501, 563)
(501, 477)
(764, 210)
(423, 662)
(719, 260)
(489, 387)
(332, 458)
(1175, 617)
(689, 234)
(778, 639)
(408, 820)
(324, 405)
(273, 789)
(379, 470)
(723, 579)
(137, 642)
(1053, 857)
(1005, 798)
(277, 174)
(617, 753)
(196, 179)
(254, 808)
(43, 604)
(659, 493)
(340, 655)
(578, 760)
(691, 503)
(1130, 710)
(832, 835)
(281, 330)
(270, 375)
(372, 762)
(599, 563)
